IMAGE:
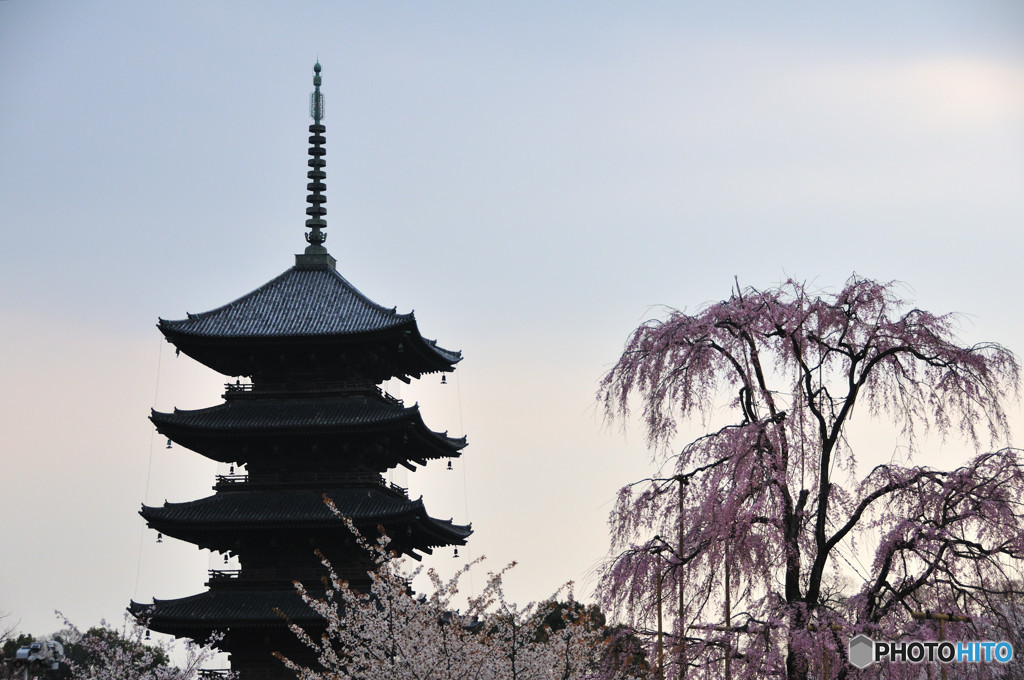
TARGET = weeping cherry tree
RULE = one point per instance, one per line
(762, 547)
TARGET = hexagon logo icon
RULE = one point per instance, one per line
(862, 651)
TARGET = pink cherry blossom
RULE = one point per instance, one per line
(392, 632)
(773, 501)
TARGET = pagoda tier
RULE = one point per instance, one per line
(250, 622)
(197, 616)
(352, 432)
(309, 321)
(294, 522)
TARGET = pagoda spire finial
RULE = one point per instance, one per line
(316, 100)
(315, 253)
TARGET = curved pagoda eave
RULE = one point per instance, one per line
(308, 320)
(247, 430)
(197, 616)
(217, 521)
(395, 354)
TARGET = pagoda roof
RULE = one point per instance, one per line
(224, 608)
(305, 417)
(274, 510)
(294, 413)
(303, 302)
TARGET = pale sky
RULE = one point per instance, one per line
(532, 178)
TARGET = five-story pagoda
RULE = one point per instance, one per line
(311, 423)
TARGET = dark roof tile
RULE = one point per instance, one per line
(299, 302)
(295, 508)
(273, 507)
(292, 413)
(303, 416)
(233, 607)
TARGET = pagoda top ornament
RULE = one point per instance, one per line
(316, 99)
(264, 334)
(315, 253)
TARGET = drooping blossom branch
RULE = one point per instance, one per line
(771, 501)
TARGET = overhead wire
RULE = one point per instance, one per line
(149, 465)
(465, 484)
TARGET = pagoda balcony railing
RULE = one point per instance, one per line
(237, 481)
(243, 674)
(224, 574)
(239, 389)
(391, 398)
(239, 577)
(216, 674)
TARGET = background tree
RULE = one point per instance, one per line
(106, 653)
(10, 641)
(755, 531)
